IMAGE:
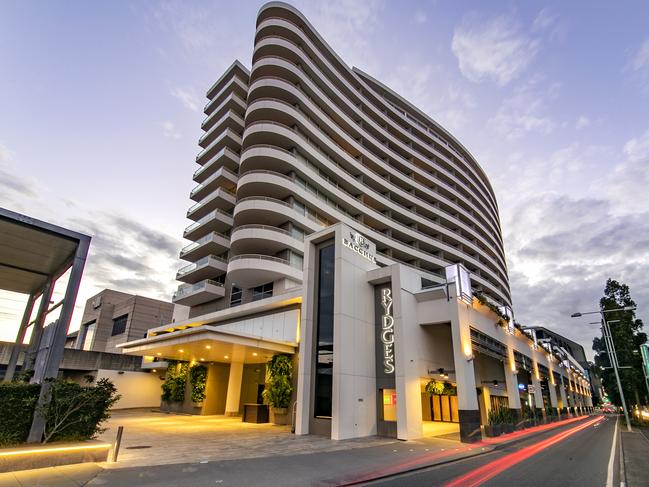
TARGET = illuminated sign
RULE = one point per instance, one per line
(359, 244)
(387, 331)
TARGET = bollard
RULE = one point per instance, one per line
(118, 441)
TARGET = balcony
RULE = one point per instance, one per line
(199, 293)
(212, 243)
(226, 157)
(250, 270)
(228, 138)
(232, 102)
(208, 267)
(220, 199)
(230, 119)
(223, 177)
(216, 221)
(249, 239)
(234, 86)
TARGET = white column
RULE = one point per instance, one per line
(511, 380)
(562, 392)
(538, 396)
(553, 393)
(234, 389)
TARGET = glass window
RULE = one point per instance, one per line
(263, 291)
(119, 325)
(235, 296)
(389, 404)
(325, 333)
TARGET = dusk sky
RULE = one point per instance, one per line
(101, 105)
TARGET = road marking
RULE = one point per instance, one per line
(611, 459)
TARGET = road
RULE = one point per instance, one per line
(573, 455)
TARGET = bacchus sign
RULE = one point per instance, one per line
(355, 242)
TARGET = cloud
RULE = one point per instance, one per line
(12, 183)
(187, 97)
(628, 183)
(525, 111)
(582, 122)
(420, 17)
(5, 154)
(544, 20)
(641, 59)
(637, 149)
(494, 48)
(169, 130)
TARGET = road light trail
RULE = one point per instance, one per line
(490, 470)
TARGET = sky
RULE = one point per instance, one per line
(101, 105)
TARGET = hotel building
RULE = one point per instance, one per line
(336, 222)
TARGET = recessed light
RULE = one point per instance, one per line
(180, 350)
(254, 354)
(159, 354)
(154, 370)
(202, 360)
(208, 346)
(225, 356)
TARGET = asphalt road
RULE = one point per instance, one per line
(564, 456)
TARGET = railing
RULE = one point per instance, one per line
(212, 196)
(228, 132)
(224, 89)
(200, 263)
(299, 211)
(217, 109)
(211, 215)
(202, 241)
(268, 227)
(219, 172)
(187, 289)
(228, 114)
(216, 157)
(265, 257)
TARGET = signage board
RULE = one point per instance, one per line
(357, 243)
(458, 274)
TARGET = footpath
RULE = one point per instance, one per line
(335, 468)
(635, 454)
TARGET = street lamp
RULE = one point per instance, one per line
(610, 349)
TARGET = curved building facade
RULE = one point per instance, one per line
(337, 224)
(302, 141)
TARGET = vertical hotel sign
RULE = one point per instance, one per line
(644, 351)
(387, 330)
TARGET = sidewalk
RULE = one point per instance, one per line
(342, 467)
(635, 448)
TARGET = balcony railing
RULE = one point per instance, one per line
(201, 241)
(204, 262)
(187, 289)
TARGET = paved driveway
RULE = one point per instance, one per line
(153, 438)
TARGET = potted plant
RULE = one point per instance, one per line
(279, 387)
(507, 420)
(493, 428)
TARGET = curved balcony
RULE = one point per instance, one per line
(234, 85)
(226, 157)
(217, 221)
(250, 239)
(250, 270)
(199, 293)
(273, 212)
(212, 243)
(222, 178)
(220, 199)
(206, 268)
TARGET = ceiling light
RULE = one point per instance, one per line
(180, 350)
(202, 360)
(254, 354)
(225, 356)
(159, 354)
(208, 346)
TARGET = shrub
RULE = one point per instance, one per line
(17, 403)
(173, 388)
(198, 380)
(76, 412)
(279, 385)
(434, 387)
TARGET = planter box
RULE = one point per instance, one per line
(508, 428)
(489, 431)
(39, 455)
(280, 416)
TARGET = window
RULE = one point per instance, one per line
(119, 325)
(325, 333)
(236, 294)
(262, 292)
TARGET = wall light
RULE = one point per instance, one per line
(470, 358)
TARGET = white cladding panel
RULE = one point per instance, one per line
(277, 326)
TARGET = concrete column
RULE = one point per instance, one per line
(234, 389)
(464, 372)
(538, 396)
(511, 381)
(20, 337)
(37, 330)
(49, 360)
(562, 392)
(553, 394)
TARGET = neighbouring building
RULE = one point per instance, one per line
(336, 222)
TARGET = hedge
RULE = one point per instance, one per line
(75, 412)
(17, 403)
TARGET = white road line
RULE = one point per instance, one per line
(611, 459)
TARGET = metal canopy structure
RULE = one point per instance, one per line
(33, 255)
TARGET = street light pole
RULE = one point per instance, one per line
(610, 348)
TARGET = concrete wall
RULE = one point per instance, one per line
(138, 389)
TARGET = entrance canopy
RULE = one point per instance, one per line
(33, 252)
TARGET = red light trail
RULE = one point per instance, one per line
(490, 470)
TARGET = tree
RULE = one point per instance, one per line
(627, 336)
